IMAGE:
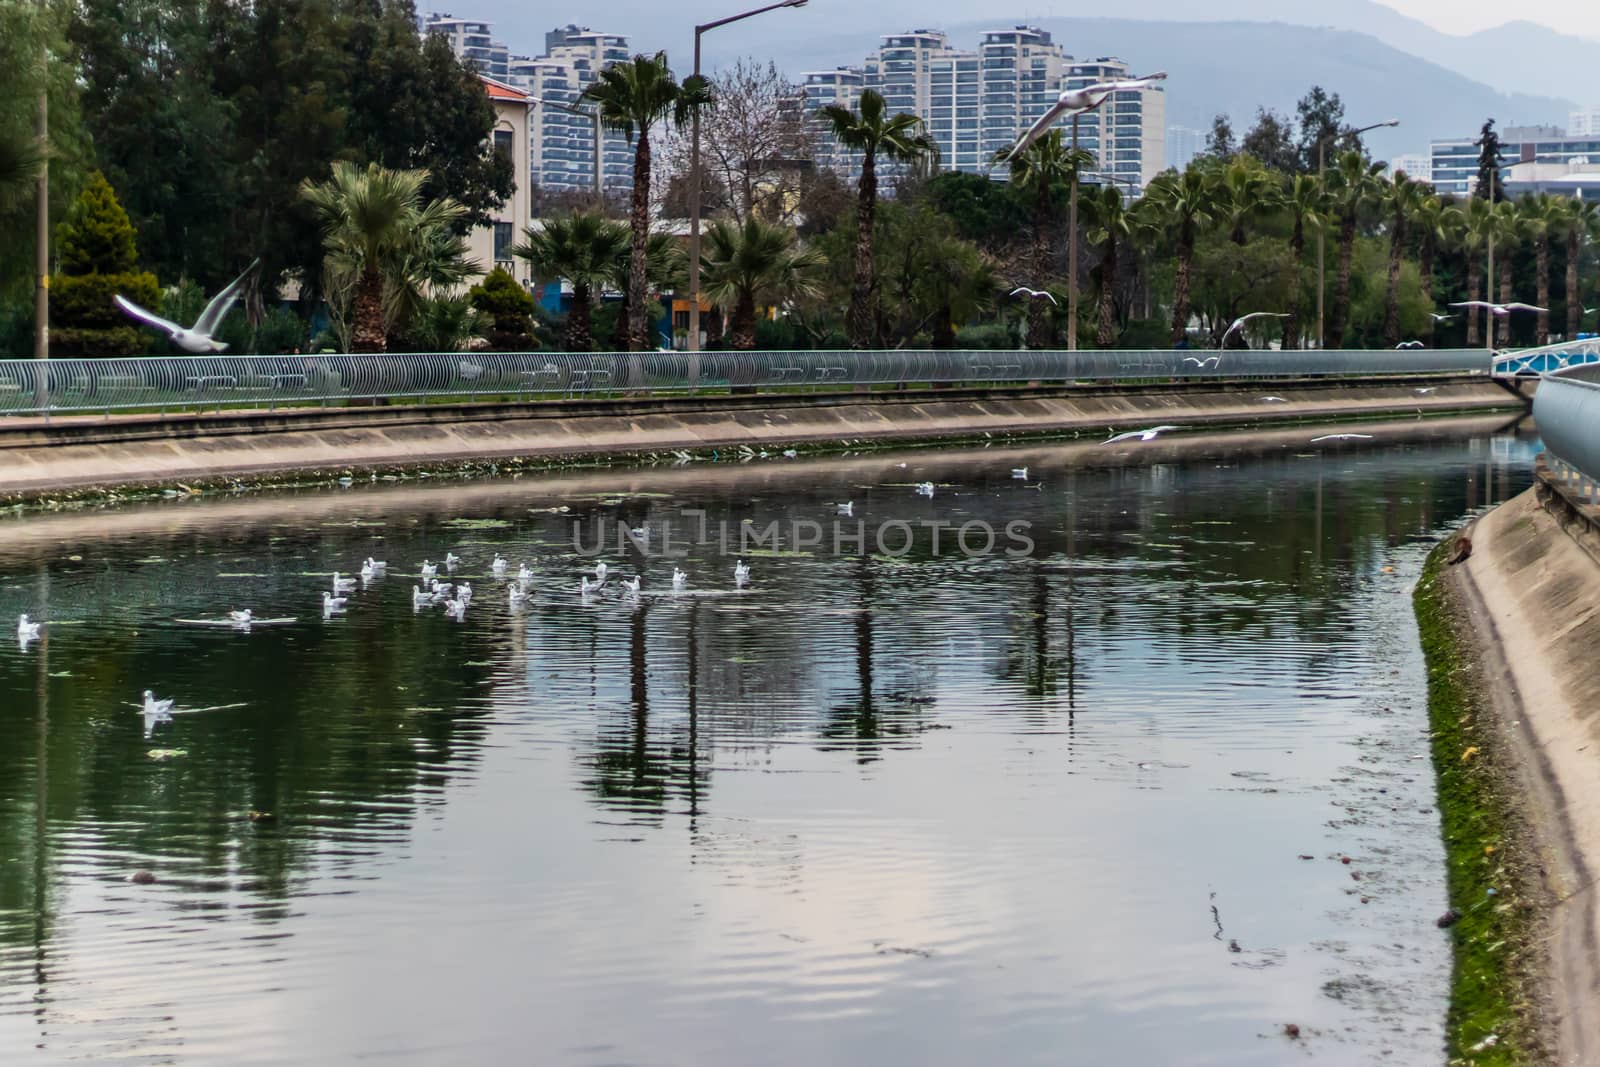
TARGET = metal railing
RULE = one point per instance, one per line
(1567, 411)
(185, 382)
(1531, 362)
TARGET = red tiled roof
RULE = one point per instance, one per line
(502, 91)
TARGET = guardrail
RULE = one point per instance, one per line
(1531, 362)
(104, 385)
(1567, 411)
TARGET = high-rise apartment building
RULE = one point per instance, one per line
(919, 72)
(1183, 144)
(842, 86)
(469, 39)
(1126, 134)
(1022, 71)
(563, 143)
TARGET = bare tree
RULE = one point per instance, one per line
(757, 150)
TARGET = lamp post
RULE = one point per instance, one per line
(1322, 144)
(694, 168)
(41, 300)
(593, 116)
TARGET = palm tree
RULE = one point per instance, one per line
(1110, 224)
(1305, 200)
(19, 166)
(384, 245)
(1542, 217)
(957, 282)
(1580, 222)
(871, 132)
(582, 248)
(1185, 203)
(1509, 229)
(1044, 166)
(1438, 226)
(1351, 185)
(633, 97)
(754, 264)
(664, 265)
(1402, 199)
(1477, 226)
(1245, 192)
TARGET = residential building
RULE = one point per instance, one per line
(840, 86)
(1454, 163)
(1579, 179)
(1416, 165)
(469, 39)
(1127, 133)
(1584, 123)
(919, 72)
(1183, 144)
(1021, 76)
(563, 143)
(490, 244)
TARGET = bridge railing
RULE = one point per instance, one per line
(1567, 412)
(1527, 362)
(104, 385)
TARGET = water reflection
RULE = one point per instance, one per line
(855, 791)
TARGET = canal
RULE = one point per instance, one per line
(1145, 781)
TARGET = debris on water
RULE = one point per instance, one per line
(141, 878)
(1233, 946)
(1344, 859)
(1469, 753)
(162, 755)
(262, 816)
(1291, 1031)
(1487, 1043)
(1306, 857)
(1448, 919)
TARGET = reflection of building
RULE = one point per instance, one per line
(1454, 163)
(470, 40)
(563, 143)
(490, 244)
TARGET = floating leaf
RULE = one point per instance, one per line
(161, 755)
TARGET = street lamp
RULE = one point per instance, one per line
(592, 115)
(1322, 144)
(694, 168)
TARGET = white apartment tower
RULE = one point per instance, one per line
(1022, 71)
(470, 40)
(842, 86)
(1127, 133)
(563, 143)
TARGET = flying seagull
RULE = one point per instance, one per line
(1201, 362)
(1499, 311)
(1342, 437)
(197, 338)
(1409, 344)
(1143, 435)
(1034, 294)
(1239, 322)
(1440, 318)
(1086, 98)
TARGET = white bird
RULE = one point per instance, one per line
(925, 489)
(1034, 294)
(451, 561)
(586, 586)
(1590, 311)
(197, 338)
(631, 585)
(241, 618)
(1020, 473)
(1239, 322)
(516, 595)
(464, 592)
(600, 572)
(1144, 435)
(1424, 392)
(1499, 311)
(679, 578)
(1440, 318)
(342, 585)
(1409, 344)
(370, 569)
(524, 574)
(429, 568)
(1342, 437)
(847, 509)
(1086, 98)
(1274, 400)
(441, 588)
(1202, 362)
(498, 567)
(420, 596)
(456, 609)
(155, 712)
(741, 573)
(790, 453)
(26, 631)
(332, 604)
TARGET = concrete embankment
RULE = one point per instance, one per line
(1528, 601)
(80, 453)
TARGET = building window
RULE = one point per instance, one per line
(502, 242)
(503, 140)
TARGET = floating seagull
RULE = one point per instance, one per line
(342, 585)
(1274, 400)
(516, 595)
(925, 489)
(241, 618)
(420, 596)
(332, 604)
(26, 631)
(1020, 473)
(1499, 311)
(1202, 362)
(631, 585)
(152, 705)
(451, 561)
(456, 609)
(1409, 344)
(524, 574)
(441, 588)
(790, 453)
(600, 572)
(155, 712)
(679, 578)
(1342, 437)
(1239, 322)
(429, 569)
(464, 592)
(1144, 435)
(1034, 294)
(370, 569)
(498, 567)
(741, 573)
(1086, 98)
(847, 509)
(197, 338)
(586, 586)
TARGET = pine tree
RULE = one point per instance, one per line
(1489, 185)
(98, 260)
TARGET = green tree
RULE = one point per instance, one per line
(1402, 200)
(990, 214)
(1477, 228)
(1542, 218)
(1321, 121)
(1305, 201)
(633, 98)
(1489, 186)
(1581, 223)
(385, 246)
(1110, 224)
(1220, 143)
(1232, 280)
(754, 264)
(1245, 192)
(98, 260)
(583, 248)
(1040, 171)
(506, 308)
(871, 131)
(1509, 229)
(1438, 226)
(666, 266)
(957, 284)
(1271, 142)
(1352, 184)
(1184, 204)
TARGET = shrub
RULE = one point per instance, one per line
(98, 261)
